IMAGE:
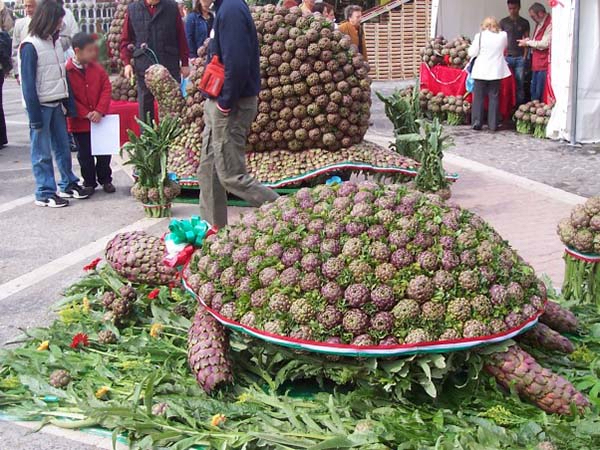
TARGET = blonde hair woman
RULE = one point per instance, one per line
(489, 68)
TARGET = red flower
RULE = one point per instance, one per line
(80, 340)
(153, 294)
(92, 265)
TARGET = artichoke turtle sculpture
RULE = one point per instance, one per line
(366, 270)
(313, 110)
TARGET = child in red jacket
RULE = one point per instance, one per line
(92, 91)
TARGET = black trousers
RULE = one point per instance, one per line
(481, 90)
(94, 169)
(145, 97)
(3, 138)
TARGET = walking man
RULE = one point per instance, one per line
(228, 117)
(153, 33)
(353, 28)
(540, 45)
(516, 28)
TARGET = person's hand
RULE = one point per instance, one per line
(94, 116)
(523, 42)
(185, 71)
(128, 71)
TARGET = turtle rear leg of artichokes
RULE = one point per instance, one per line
(517, 369)
(559, 318)
(542, 336)
(207, 351)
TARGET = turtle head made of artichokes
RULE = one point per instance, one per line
(364, 264)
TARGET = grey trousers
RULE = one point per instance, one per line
(223, 161)
(481, 90)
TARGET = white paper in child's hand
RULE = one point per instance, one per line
(106, 136)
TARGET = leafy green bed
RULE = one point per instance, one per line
(140, 387)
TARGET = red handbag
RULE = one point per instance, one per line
(213, 78)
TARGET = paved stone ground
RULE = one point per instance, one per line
(573, 169)
(43, 251)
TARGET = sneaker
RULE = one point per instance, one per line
(76, 191)
(109, 188)
(53, 202)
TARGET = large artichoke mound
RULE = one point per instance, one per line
(315, 94)
(379, 266)
(366, 264)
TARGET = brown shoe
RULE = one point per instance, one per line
(109, 188)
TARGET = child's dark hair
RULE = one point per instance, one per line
(514, 2)
(44, 22)
(82, 40)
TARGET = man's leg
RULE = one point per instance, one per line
(85, 158)
(213, 198)
(230, 157)
(3, 138)
(477, 109)
(538, 81)
(493, 91)
(145, 99)
(41, 158)
(519, 71)
(59, 138)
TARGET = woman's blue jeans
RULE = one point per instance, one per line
(52, 137)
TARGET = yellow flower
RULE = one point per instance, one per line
(101, 393)
(86, 304)
(155, 330)
(243, 398)
(218, 420)
(43, 346)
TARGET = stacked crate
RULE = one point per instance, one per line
(395, 33)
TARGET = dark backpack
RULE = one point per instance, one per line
(5, 51)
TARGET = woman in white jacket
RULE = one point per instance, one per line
(489, 68)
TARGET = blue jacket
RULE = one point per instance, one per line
(29, 59)
(197, 29)
(236, 44)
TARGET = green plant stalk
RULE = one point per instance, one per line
(582, 281)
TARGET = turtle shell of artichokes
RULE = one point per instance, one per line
(364, 266)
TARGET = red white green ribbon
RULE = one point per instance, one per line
(586, 257)
(454, 345)
(330, 168)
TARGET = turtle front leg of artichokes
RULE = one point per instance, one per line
(517, 369)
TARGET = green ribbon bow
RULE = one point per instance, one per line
(190, 231)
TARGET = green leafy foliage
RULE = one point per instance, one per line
(148, 153)
(280, 399)
(403, 112)
(431, 176)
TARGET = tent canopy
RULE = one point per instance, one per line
(452, 18)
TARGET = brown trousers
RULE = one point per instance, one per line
(223, 161)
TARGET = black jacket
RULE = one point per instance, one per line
(236, 43)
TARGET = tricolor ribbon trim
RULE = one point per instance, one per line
(330, 168)
(587, 257)
(370, 351)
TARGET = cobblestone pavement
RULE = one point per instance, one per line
(573, 169)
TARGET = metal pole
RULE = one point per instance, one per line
(575, 71)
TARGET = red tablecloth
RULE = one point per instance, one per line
(451, 81)
(128, 112)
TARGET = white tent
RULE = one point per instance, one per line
(575, 56)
